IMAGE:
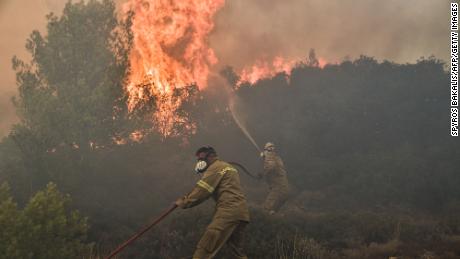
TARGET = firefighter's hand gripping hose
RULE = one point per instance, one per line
(141, 232)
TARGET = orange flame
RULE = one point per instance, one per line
(170, 52)
(264, 69)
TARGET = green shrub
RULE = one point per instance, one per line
(45, 228)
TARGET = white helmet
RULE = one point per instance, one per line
(269, 146)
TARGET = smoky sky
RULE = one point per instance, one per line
(396, 30)
(248, 30)
(17, 20)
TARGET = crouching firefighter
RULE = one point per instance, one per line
(276, 177)
(221, 182)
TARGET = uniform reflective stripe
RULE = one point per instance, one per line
(228, 168)
(208, 187)
(205, 186)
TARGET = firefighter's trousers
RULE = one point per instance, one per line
(276, 198)
(219, 232)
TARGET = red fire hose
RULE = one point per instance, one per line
(140, 233)
(160, 218)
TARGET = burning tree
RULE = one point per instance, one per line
(169, 59)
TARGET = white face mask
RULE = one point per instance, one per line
(201, 166)
(266, 153)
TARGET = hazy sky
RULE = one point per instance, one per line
(398, 30)
(17, 19)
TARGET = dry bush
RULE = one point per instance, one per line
(303, 248)
(374, 250)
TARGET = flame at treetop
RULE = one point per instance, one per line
(264, 69)
(170, 52)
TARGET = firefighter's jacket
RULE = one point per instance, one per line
(222, 182)
(274, 172)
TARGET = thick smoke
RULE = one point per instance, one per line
(400, 31)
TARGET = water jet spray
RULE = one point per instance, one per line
(232, 102)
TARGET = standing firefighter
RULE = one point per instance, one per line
(276, 177)
(221, 181)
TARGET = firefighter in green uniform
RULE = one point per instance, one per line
(276, 177)
(221, 182)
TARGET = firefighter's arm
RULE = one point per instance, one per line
(202, 191)
(195, 197)
(269, 165)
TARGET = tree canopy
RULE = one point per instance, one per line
(71, 93)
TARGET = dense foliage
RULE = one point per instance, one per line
(44, 228)
(366, 144)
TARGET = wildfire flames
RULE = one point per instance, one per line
(170, 52)
(264, 69)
